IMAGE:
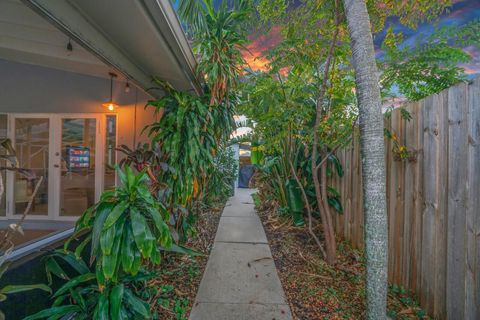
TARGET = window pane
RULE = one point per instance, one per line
(31, 146)
(110, 153)
(77, 185)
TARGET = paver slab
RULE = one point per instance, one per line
(238, 210)
(241, 229)
(227, 311)
(241, 273)
(243, 197)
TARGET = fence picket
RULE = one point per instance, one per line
(408, 252)
(472, 263)
(457, 174)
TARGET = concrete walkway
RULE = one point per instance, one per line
(240, 281)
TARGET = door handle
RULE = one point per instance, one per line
(56, 166)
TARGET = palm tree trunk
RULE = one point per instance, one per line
(373, 161)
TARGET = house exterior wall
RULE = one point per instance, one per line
(26, 88)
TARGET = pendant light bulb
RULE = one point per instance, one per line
(110, 105)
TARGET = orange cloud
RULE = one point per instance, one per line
(256, 49)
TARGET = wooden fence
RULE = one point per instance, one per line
(433, 202)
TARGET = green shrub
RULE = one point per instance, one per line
(125, 226)
(221, 179)
(83, 297)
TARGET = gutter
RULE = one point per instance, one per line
(175, 38)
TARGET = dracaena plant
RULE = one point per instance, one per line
(11, 289)
(220, 32)
(183, 136)
(82, 297)
(127, 226)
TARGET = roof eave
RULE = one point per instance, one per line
(179, 44)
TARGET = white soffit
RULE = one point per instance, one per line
(26, 37)
(139, 39)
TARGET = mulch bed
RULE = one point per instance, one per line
(173, 292)
(316, 290)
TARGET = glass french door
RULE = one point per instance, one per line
(77, 165)
(67, 150)
(32, 145)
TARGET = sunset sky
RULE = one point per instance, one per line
(462, 12)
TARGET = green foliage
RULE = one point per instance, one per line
(400, 151)
(257, 201)
(409, 12)
(283, 101)
(407, 301)
(460, 36)
(272, 10)
(276, 107)
(221, 178)
(275, 174)
(405, 114)
(126, 226)
(183, 135)
(9, 289)
(423, 71)
(192, 128)
(430, 65)
(144, 156)
(219, 33)
(127, 230)
(167, 298)
(295, 201)
(187, 135)
(271, 180)
(84, 297)
(147, 158)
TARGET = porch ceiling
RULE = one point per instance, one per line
(26, 37)
(139, 39)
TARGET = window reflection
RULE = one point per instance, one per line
(32, 146)
(77, 185)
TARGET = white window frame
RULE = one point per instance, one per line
(55, 134)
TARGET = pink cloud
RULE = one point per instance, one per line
(255, 53)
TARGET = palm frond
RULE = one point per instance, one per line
(194, 13)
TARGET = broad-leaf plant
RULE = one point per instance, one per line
(125, 227)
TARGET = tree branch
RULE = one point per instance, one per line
(309, 212)
(6, 243)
